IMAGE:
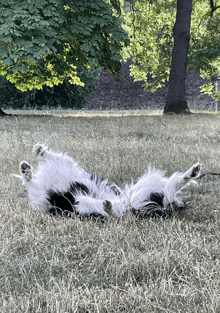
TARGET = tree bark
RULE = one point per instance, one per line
(176, 96)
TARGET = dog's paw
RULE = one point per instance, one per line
(39, 149)
(26, 171)
(193, 172)
(107, 207)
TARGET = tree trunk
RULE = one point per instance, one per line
(176, 96)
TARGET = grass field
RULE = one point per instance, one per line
(60, 265)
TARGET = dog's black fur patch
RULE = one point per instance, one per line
(62, 202)
(158, 198)
(153, 208)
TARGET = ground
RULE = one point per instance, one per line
(56, 264)
(111, 94)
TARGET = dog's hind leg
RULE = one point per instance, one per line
(188, 176)
(179, 180)
(193, 172)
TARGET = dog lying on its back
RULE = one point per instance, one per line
(60, 185)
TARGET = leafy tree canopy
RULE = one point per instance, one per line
(45, 42)
(150, 27)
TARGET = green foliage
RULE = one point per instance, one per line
(45, 42)
(63, 95)
(150, 31)
(150, 27)
(205, 46)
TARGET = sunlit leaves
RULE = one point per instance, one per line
(204, 53)
(44, 42)
(150, 29)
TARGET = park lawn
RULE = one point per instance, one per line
(55, 264)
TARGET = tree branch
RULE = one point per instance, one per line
(213, 7)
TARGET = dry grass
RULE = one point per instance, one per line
(50, 264)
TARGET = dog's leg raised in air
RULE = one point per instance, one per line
(179, 180)
(26, 171)
(189, 176)
(39, 150)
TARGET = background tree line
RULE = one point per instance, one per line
(56, 48)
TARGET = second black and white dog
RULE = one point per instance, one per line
(60, 185)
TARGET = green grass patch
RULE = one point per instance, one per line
(54, 264)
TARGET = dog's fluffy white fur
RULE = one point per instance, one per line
(59, 183)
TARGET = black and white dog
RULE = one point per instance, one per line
(60, 185)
